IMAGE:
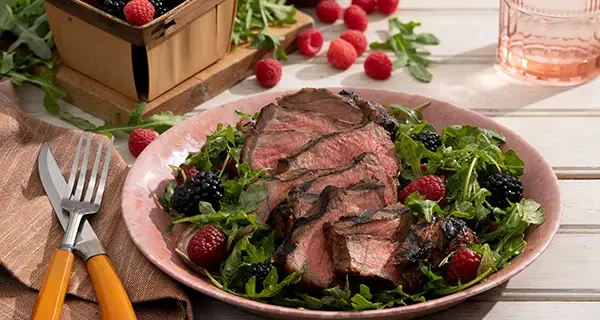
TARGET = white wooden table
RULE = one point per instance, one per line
(562, 123)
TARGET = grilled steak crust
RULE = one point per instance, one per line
(277, 118)
(391, 222)
(336, 149)
(264, 149)
(298, 204)
(360, 255)
(324, 102)
(430, 243)
(306, 245)
(373, 111)
(365, 166)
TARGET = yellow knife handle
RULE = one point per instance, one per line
(112, 297)
(54, 288)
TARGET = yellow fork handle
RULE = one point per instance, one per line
(54, 288)
(112, 297)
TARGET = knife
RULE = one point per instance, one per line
(112, 298)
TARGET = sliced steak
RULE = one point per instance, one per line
(277, 118)
(391, 222)
(373, 111)
(298, 204)
(324, 102)
(305, 244)
(368, 257)
(263, 150)
(430, 243)
(336, 149)
(365, 166)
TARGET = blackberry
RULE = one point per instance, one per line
(260, 271)
(503, 188)
(431, 140)
(160, 7)
(204, 186)
(112, 7)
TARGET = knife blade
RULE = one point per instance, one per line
(87, 243)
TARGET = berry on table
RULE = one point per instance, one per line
(356, 18)
(463, 266)
(387, 7)
(430, 140)
(378, 66)
(341, 54)
(139, 139)
(112, 7)
(357, 39)
(139, 12)
(207, 247)
(367, 5)
(310, 42)
(260, 271)
(268, 72)
(204, 186)
(430, 187)
(504, 188)
(328, 11)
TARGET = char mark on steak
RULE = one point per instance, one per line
(339, 148)
(430, 243)
(373, 111)
(298, 204)
(365, 166)
(305, 244)
(324, 102)
(277, 118)
(391, 223)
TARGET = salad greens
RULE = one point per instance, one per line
(467, 154)
(253, 19)
(408, 47)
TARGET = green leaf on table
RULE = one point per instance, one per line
(419, 71)
(79, 122)
(427, 38)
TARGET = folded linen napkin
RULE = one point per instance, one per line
(30, 231)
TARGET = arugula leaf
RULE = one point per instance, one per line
(418, 204)
(407, 46)
(513, 165)
(271, 286)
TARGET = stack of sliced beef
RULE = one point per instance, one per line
(332, 192)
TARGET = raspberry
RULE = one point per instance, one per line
(503, 188)
(268, 72)
(138, 12)
(367, 5)
(328, 11)
(139, 139)
(208, 247)
(188, 169)
(378, 66)
(430, 187)
(462, 266)
(356, 18)
(357, 39)
(387, 7)
(341, 54)
(310, 42)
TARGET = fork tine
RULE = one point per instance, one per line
(103, 178)
(69, 188)
(82, 170)
(92, 183)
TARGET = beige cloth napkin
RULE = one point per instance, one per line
(30, 231)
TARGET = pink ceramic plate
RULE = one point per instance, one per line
(147, 222)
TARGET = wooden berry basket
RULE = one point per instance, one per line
(142, 62)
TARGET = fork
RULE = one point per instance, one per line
(54, 288)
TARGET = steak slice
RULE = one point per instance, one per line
(276, 118)
(305, 244)
(336, 149)
(262, 150)
(298, 204)
(373, 111)
(365, 166)
(324, 102)
(430, 243)
(391, 222)
(368, 257)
